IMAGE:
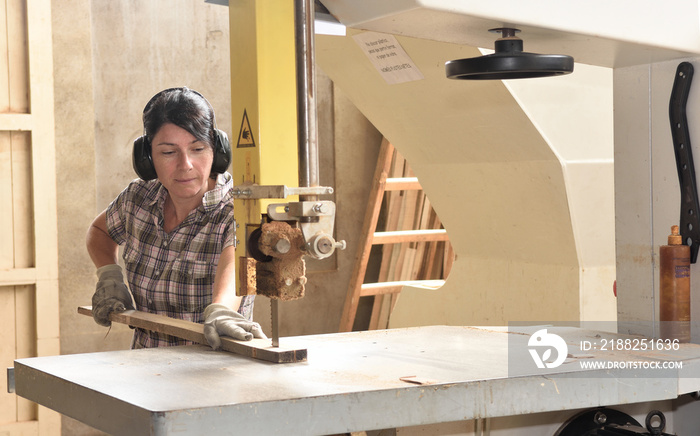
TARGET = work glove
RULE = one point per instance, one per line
(111, 294)
(219, 321)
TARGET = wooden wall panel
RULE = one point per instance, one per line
(8, 403)
(28, 235)
(25, 342)
(18, 339)
(4, 54)
(22, 198)
(6, 238)
(14, 78)
(17, 51)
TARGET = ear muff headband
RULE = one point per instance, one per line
(141, 159)
(143, 162)
(222, 152)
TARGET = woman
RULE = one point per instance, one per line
(176, 225)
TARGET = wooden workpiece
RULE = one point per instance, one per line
(261, 349)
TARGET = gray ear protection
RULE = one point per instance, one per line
(143, 162)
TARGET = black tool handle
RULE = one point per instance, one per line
(689, 223)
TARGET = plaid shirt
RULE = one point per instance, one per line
(172, 273)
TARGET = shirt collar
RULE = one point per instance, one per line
(224, 183)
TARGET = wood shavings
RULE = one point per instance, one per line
(416, 380)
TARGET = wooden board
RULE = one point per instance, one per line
(261, 349)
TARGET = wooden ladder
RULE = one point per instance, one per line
(386, 292)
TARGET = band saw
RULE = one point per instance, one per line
(348, 382)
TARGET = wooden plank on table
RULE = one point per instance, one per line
(261, 349)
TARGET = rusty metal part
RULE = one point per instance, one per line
(283, 277)
(247, 267)
(316, 219)
(253, 246)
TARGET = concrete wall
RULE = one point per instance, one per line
(76, 187)
(75, 170)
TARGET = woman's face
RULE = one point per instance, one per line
(182, 162)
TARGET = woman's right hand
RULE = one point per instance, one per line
(111, 294)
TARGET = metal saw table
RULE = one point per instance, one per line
(351, 382)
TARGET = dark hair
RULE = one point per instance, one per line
(184, 108)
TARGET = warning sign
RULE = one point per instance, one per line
(245, 136)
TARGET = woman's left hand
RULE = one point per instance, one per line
(219, 321)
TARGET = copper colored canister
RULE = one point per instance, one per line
(674, 288)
